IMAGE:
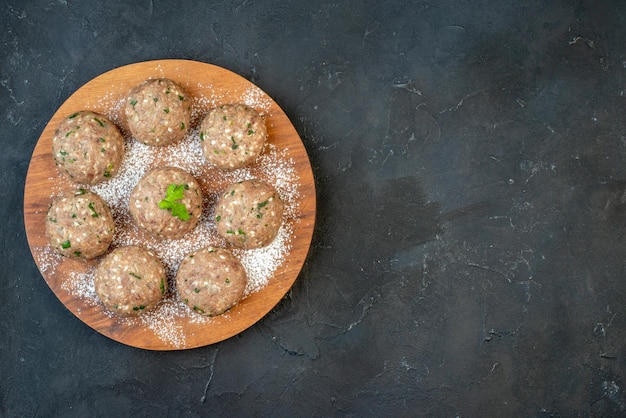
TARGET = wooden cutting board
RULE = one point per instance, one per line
(214, 86)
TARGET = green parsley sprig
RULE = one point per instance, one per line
(174, 193)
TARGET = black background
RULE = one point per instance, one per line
(468, 256)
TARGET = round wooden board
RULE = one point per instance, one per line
(216, 85)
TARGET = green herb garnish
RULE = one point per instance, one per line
(133, 103)
(94, 214)
(99, 122)
(107, 172)
(260, 206)
(73, 115)
(136, 276)
(174, 193)
(66, 244)
(162, 286)
(166, 110)
(234, 146)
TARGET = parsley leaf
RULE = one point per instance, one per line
(174, 193)
(93, 210)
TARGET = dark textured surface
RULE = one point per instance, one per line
(468, 258)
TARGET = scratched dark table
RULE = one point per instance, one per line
(469, 251)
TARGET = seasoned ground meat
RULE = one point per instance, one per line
(130, 281)
(80, 225)
(211, 281)
(166, 202)
(249, 214)
(88, 147)
(232, 136)
(158, 112)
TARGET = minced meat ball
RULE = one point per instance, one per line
(210, 281)
(130, 281)
(158, 112)
(87, 147)
(166, 202)
(80, 225)
(249, 214)
(232, 136)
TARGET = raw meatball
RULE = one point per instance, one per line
(80, 225)
(211, 281)
(249, 214)
(167, 202)
(130, 281)
(232, 136)
(158, 112)
(88, 147)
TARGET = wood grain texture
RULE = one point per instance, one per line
(201, 80)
